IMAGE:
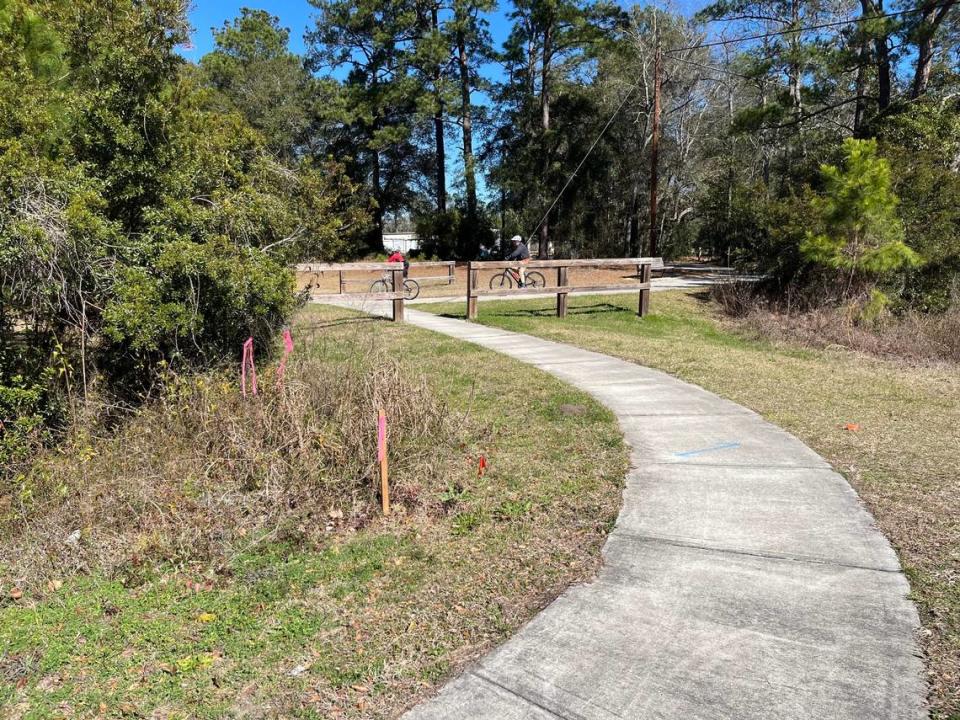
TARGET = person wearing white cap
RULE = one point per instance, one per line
(521, 253)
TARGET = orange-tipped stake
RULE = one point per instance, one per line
(482, 467)
(382, 457)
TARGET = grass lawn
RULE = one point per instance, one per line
(904, 460)
(359, 621)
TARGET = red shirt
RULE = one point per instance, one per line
(396, 257)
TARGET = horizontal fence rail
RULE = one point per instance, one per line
(395, 271)
(320, 268)
(564, 287)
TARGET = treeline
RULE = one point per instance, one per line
(818, 144)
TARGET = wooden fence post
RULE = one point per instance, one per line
(450, 273)
(398, 287)
(472, 277)
(341, 281)
(645, 274)
(561, 297)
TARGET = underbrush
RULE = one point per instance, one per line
(204, 473)
(910, 335)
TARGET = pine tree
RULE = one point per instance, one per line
(860, 231)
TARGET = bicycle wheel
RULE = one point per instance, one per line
(411, 288)
(501, 281)
(535, 280)
(380, 286)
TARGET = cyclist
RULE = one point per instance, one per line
(521, 253)
(397, 256)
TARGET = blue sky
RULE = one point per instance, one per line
(297, 16)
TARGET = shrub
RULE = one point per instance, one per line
(203, 471)
(857, 229)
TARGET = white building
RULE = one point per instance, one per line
(402, 241)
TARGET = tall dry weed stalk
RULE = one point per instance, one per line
(203, 473)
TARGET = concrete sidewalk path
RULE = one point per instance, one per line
(744, 579)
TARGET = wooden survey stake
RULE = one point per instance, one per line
(382, 457)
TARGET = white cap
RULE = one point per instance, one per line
(516, 239)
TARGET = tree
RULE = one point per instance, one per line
(140, 223)
(923, 32)
(472, 46)
(551, 42)
(253, 72)
(374, 41)
(858, 229)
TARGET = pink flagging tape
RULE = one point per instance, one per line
(244, 363)
(287, 349)
(381, 437)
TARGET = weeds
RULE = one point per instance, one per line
(912, 336)
(309, 603)
(204, 472)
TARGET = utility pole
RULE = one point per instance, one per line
(655, 141)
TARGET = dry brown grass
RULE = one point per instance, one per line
(204, 472)
(911, 336)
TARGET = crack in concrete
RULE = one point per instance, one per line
(787, 557)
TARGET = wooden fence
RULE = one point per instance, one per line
(321, 268)
(564, 285)
(396, 279)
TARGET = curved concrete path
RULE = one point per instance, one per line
(743, 579)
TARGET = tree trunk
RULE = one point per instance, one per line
(376, 243)
(654, 151)
(921, 75)
(931, 18)
(881, 55)
(466, 123)
(545, 122)
(796, 71)
(882, 51)
(633, 246)
(860, 107)
(438, 127)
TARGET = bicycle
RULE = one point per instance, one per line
(507, 278)
(411, 288)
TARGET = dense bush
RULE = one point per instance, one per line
(144, 221)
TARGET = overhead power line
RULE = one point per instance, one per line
(808, 28)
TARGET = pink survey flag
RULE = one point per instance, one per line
(287, 349)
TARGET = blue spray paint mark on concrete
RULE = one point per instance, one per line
(712, 448)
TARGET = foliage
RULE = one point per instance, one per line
(922, 141)
(145, 219)
(858, 227)
(453, 235)
(252, 71)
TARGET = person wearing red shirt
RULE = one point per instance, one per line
(397, 256)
